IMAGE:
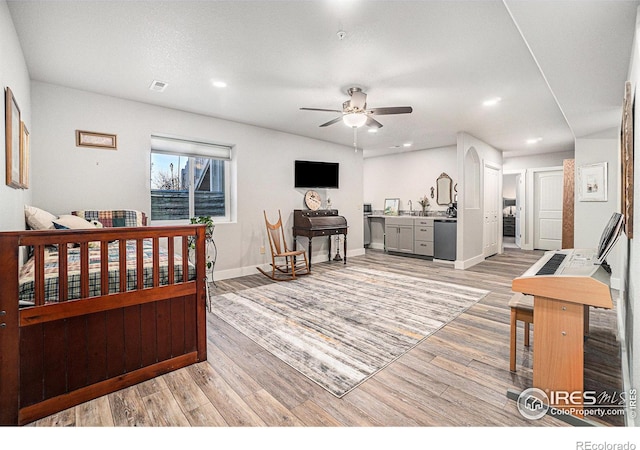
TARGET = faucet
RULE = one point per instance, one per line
(410, 208)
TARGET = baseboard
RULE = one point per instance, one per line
(376, 246)
(252, 270)
(462, 265)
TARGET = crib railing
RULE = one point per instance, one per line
(39, 361)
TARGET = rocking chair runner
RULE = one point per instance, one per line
(293, 265)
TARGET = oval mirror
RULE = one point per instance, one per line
(443, 185)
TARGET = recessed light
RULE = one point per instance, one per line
(534, 140)
(372, 130)
(407, 144)
(492, 101)
(219, 84)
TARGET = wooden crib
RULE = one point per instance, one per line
(114, 328)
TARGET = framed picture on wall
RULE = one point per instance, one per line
(12, 133)
(592, 182)
(626, 157)
(24, 156)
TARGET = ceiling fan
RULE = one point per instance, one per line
(355, 113)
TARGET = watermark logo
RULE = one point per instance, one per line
(533, 403)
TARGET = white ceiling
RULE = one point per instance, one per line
(559, 66)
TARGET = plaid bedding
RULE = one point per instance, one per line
(27, 272)
(114, 218)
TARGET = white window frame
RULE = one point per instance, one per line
(173, 145)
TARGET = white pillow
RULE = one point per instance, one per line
(38, 219)
(73, 222)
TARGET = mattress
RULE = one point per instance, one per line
(27, 272)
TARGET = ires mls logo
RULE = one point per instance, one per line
(534, 403)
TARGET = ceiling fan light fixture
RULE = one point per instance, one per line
(354, 120)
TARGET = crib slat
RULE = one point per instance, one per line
(63, 276)
(170, 259)
(156, 261)
(84, 269)
(122, 264)
(38, 251)
(185, 258)
(139, 264)
(104, 267)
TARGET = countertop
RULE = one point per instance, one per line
(434, 217)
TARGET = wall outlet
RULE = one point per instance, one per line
(262, 249)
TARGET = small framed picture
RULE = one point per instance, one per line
(96, 140)
(391, 206)
(24, 156)
(592, 182)
(12, 144)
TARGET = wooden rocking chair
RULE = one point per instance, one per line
(295, 261)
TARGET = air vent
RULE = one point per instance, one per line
(158, 86)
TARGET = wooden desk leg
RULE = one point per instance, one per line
(345, 248)
(309, 252)
(558, 356)
(330, 239)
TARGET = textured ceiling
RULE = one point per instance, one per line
(559, 66)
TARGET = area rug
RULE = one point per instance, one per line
(339, 328)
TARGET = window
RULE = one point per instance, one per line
(189, 179)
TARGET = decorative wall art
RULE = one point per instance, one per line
(626, 157)
(592, 182)
(12, 134)
(24, 156)
(391, 206)
(96, 140)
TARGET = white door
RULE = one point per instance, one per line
(519, 209)
(491, 210)
(547, 210)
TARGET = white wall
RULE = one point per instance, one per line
(408, 176)
(629, 304)
(13, 74)
(66, 177)
(536, 161)
(470, 235)
(591, 217)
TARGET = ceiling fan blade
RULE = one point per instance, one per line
(320, 109)
(372, 123)
(391, 110)
(331, 122)
(358, 100)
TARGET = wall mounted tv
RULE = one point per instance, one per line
(316, 174)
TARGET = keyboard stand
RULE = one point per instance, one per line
(560, 301)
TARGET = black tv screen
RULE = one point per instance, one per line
(316, 174)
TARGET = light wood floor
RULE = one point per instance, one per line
(459, 376)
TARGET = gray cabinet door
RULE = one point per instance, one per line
(399, 238)
(405, 239)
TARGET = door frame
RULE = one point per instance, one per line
(497, 168)
(529, 194)
(522, 207)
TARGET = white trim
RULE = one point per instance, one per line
(252, 270)
(462, 265)
(529, 194)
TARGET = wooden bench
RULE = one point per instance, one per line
(521, 309)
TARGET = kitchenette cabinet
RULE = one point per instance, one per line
(399, 234)
(409, 235)
(423, 236)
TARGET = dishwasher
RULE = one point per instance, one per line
(444, 239)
